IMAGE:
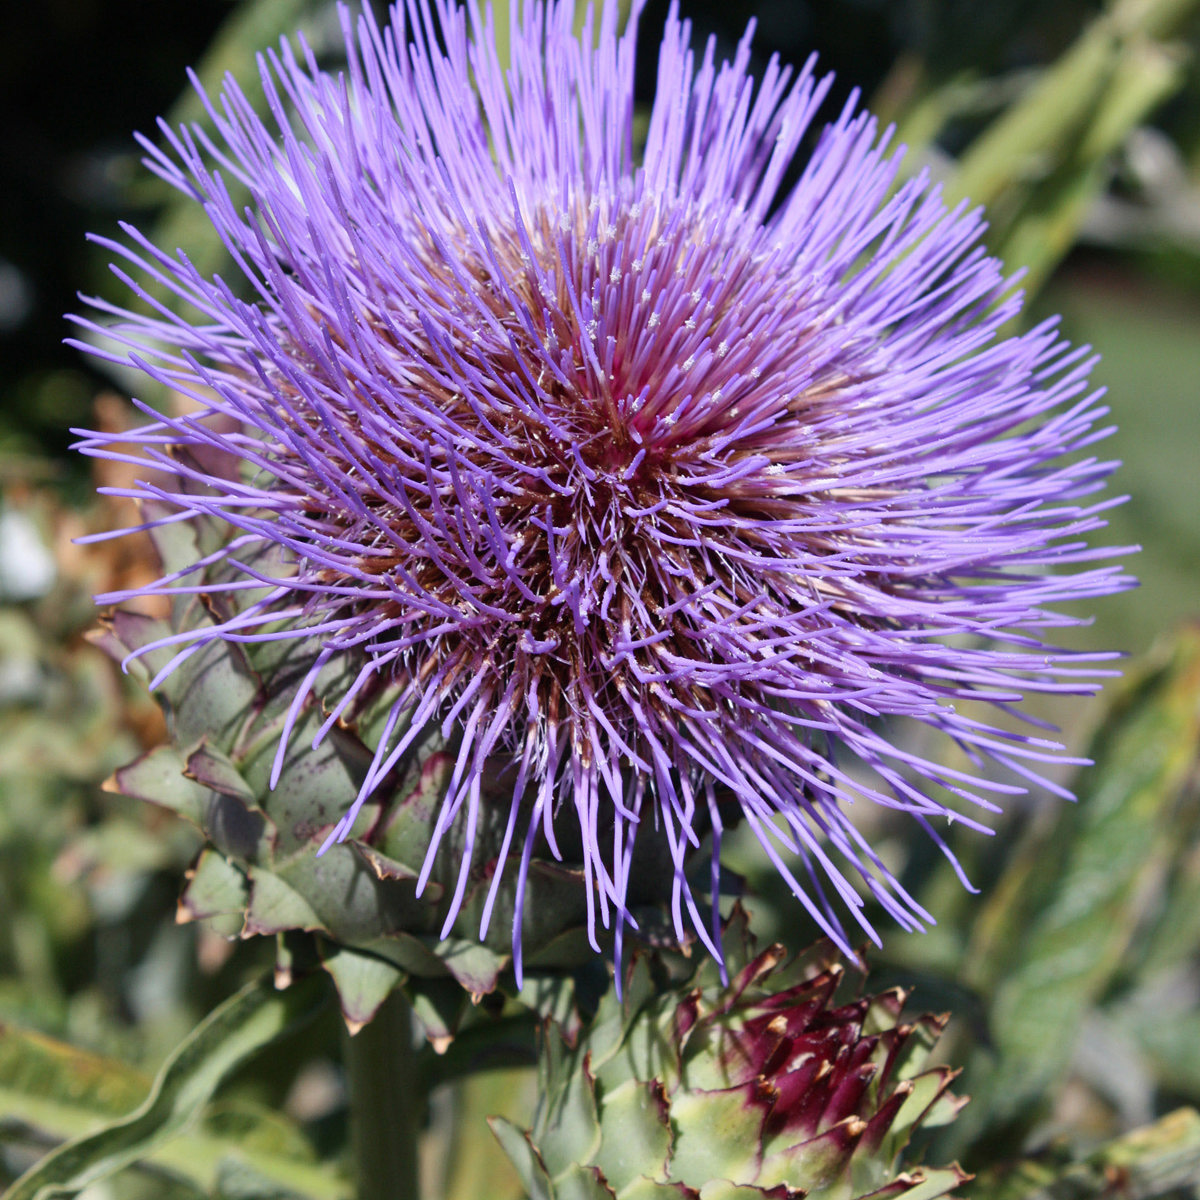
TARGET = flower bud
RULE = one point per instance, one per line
(771, 1086)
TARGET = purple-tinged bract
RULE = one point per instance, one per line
(656, 476)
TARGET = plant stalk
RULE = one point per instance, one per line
(385, 1104)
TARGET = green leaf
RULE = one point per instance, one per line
(1159, 1160)
(818, 1164)
(1071, 102)
(244, 1024)
(59, 1089)
(61, 1092)
(242, 1150)
(1051, 215)
(240, 1181)
(1170, 1040)
(131, 845)
(257, 1128)
(1017, 145)
(249, 28)
(1073, 911)
(1039, 164)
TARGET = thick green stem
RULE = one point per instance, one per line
(385, 1104)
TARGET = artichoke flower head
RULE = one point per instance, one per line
(773, 1086)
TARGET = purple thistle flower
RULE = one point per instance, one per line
(657, 479)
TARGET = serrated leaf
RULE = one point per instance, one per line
(244, 1024)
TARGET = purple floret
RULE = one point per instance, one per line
(633, 468)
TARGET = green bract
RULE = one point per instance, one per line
(766, 1088)
(261, 872)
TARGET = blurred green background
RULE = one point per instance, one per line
(1079, 125)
